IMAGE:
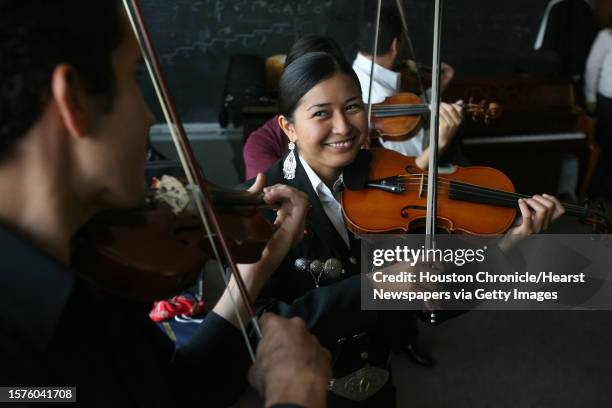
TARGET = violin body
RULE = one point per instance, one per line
(150, 253)
(400, 116)
(377, 210)
(399, 127)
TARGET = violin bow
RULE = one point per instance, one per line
(193, 172)
(432, 180)
(374, 54)
(430, 228)
(402, 13)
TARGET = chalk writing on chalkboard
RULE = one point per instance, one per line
(195, 39)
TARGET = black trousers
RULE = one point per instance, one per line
(602, 179)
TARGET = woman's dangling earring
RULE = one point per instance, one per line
(290, 163)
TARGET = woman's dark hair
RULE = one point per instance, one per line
(36, 36)
(304, 73)
(313, 43)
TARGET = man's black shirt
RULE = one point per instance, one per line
(58, 329)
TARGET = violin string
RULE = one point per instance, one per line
(501, 192)
(400, 106)
(511, 202)
(464, 187)
(495, 194)
(416, 105)
(505, 201)
(187, 168)
(418, 109)
(487, 192)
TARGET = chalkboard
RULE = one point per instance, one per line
(196, 38)
(479, 37)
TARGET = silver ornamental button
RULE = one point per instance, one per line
(353, 260)
(316, 267)
(333, 268)
(301, 264)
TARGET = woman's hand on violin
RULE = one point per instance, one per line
(259, 184)
(537, 213)
(291, 215)
(290, 221)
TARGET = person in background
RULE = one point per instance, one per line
(73, 141)
(598, 96)
(567, 30)
(386, 81)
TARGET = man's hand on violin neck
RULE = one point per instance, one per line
(291, 365)
(451, 118)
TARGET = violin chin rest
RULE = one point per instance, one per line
(355, 175)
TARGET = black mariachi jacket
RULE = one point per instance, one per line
(333, 311)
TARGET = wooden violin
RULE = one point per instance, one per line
(399, 116)
(474, 200)
(152, 252)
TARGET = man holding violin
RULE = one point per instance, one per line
(73, 137)
(386, 81)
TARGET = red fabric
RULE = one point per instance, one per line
(178, 305)
(264, 147)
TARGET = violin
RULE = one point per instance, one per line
(473, 200)
(154, 251)
(399, 117)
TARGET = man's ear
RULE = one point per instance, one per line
(287, 127)
(394, 49)
(72, 100)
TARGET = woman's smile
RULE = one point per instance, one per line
(341, 146)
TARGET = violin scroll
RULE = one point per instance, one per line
(596, 218)
(483, 111)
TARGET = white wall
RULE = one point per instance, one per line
(217, 150)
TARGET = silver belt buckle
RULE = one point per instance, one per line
(361, 384)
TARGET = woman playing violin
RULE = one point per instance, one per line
(322, 113)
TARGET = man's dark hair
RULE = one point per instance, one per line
(36, 36)
(313, 43)
(304, 73)
(390, 28)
